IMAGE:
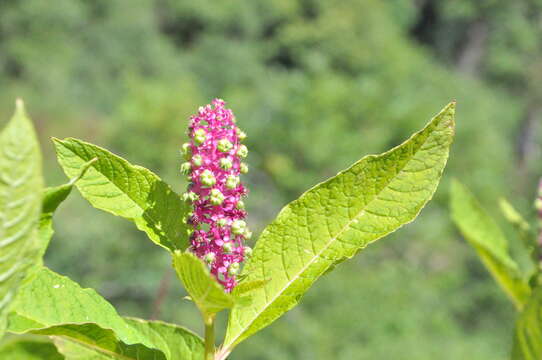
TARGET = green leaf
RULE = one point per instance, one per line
(180, 343)
(114, 185)
(74, 351)
(204, 290)
(245, 287)
(525, 233)
(513, 216)
(177, 342)
(21, 187)
(483, 233)
(337, 218)
(29, 349)
(528, 333)
(54, 305)
(52, 198)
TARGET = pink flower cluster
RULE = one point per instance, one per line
(214, 163)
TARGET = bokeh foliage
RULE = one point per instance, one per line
(315, 84)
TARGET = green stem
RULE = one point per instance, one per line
(210, 337)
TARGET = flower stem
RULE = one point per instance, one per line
(209, 337)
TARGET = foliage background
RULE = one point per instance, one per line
(316, 84)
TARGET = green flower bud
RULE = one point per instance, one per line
(187, 217)
(207, 178)
(190, 196)
(242, 151)
(238, 227)
(189, 232)
(248, 234)
(209, 258)
(225, 163)
(216, 197)
(233, 269)
(186, 150)
(197, 160)
(240, 205)
(232, 182)
(243, 168)
(185, 168)
(241, 134)
(222, 222)
(227, 247)
(247, 251)
(224, 145)
(199, 136)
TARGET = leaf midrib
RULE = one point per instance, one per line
(333, 239)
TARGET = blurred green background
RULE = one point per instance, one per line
(316, 84)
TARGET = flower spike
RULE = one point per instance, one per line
(215, 191)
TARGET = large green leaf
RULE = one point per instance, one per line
(21, 187)
(335, 219)
(114, 185)
(29, 349)
(528, 334)
(483, 233)
(54, 305)
(204, 290)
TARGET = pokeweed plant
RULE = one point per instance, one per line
(204, 230)
(522, 286)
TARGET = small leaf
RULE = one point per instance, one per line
(513, 216)
(528, 333)
(21, 187)
(29, 349)
(114, 185)
(525, 233)
(204, 290)
(483, 233)
(337, 218)
(52, 198)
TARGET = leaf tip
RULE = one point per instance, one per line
(450, 108)
(20, 111)
(19, 104)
